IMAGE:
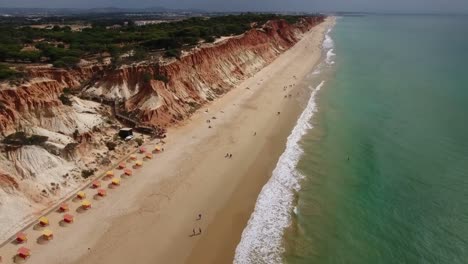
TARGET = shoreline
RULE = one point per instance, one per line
(152, 215)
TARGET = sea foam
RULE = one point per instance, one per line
(328, 45)
(262, 238)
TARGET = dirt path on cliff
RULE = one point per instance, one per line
(151, 217)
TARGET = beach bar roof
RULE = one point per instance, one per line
(122, 165)
(24, 252)
(86, 204)
(128, 172)
(116, 181)
(96, 184)
(21, 237)
(102, 192)
(81, 195)
(64, 207)
(68, 218)
(44, 221)
(47, 234)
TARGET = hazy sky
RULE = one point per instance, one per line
(261, 5)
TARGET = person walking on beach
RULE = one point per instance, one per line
(230, 155)
(199, 231)
(199, 217)
(193, 232)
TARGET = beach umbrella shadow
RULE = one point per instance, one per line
(80, 210)
(38, 227)
(18, 260)
(62, 223)
(41, 240)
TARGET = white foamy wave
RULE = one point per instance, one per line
(261, 240)
(330, 55)
(328, 42)
(328, 45)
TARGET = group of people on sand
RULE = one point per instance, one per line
(194, 233)
(228, 155)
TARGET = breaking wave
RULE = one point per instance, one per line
(261, 239)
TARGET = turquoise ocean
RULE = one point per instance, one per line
(376, 169)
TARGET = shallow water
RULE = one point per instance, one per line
(386, 164)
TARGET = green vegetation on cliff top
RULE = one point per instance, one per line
(64, 47)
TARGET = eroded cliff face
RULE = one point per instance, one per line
(154, 94)
(191, 81)
(198, 77)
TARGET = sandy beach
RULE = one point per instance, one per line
(150, 218)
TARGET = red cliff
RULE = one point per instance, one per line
(201, 76)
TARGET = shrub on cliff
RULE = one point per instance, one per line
(139, 141)
(65, 100)
(111, 145)
(162, 78)
(7, 73)
(87, 173)
(66, 62)
(21, 139)
(147, 77)
(210, 39)
(175, 53)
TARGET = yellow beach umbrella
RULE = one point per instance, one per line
(149, 155)
(48, 234)
(86, 204)
(139, 163)
(133, 157)
(110, 173)
(116, 181)
(81, 195)
(44, 221)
